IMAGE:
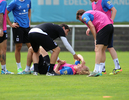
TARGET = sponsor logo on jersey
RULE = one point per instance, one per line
(84, 19)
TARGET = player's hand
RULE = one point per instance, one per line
(112, 21)
(61, 62)
(94, 42)
(87, 32)
(15, 25)
(1, 32)
(76, 57)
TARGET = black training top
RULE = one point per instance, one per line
(53, 30)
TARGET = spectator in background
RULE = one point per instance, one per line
(102, 30)
(22, 14)
(106, 7)
(44, 35)
(3, 37)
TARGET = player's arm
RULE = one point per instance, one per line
(58, 59)
(13, 25)
(58, 65)
(82, 59)
(56, 68)
(10, 7)
(2, 12)
(68, 47)
(109, 6)
(87, 31)
(113, 15)
(92, 29)
(8, 20)
(29, 15)
(1, 24)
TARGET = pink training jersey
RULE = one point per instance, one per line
(98, 18)
(67, 65)
(4, 11)
(98, 6)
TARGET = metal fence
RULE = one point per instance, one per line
(73, 28)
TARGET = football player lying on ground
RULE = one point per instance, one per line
(61, 68)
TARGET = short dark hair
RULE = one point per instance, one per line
(65, 26)
(79, 12)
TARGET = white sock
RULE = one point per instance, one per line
(103, 66)
(3, 67)
(96, 69)
(27, 68)
(100, 68)
(18, 65)
(32, 68)
(116, 62)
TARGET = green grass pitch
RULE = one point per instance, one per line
(66, 87)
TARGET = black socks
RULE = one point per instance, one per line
(51, 67)
(36, 67)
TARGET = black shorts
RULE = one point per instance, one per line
(104, 36)
(4, 37)
(38, 39)
(20, 35)
(42, 66)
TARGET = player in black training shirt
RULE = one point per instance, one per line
(44, 35)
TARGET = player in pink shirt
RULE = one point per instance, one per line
(3, 37)
(107, 7)
(102, 29)
(63, 68)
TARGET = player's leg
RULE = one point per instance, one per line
(3, 47)
(29, 57)
(3, 54)
(18, 40)
(103, 60)
(98, 57)
(18, 47)
(29, 61)
(102, 41)
(51, 45)
(113, 53)
(45, 55)
(36, 39)
(114, 57)
(53, 59)
(42, 65)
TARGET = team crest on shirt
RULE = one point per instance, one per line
(65, 72)
(109, 2)
(84, 19)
